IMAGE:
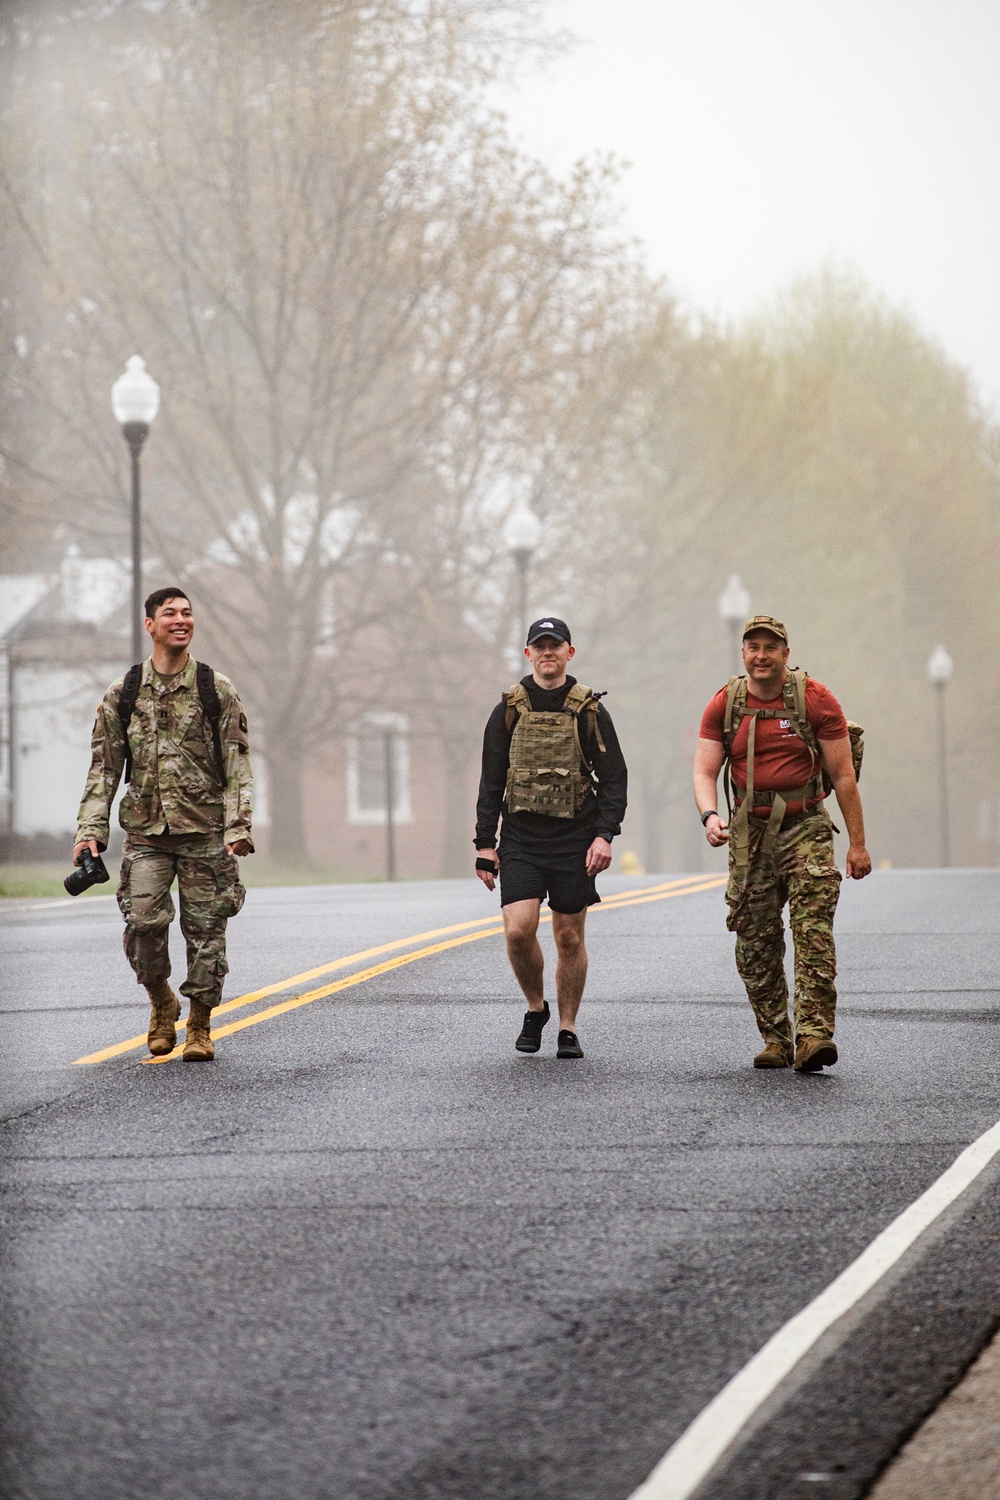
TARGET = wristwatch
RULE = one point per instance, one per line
(712, 813)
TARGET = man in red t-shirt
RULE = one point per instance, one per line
(781, 843)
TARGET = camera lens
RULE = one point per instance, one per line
(90, 871)
(77, 882)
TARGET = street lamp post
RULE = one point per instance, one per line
(521, 535)
(135, 400)
(390, 805)
(734, 607)
(940, 668)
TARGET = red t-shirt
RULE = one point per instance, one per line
(780, 759)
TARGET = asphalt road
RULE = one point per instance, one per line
(373, 1254)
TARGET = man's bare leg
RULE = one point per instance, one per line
(571, 964)
(520, 920)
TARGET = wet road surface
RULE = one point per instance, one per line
(373, 1254)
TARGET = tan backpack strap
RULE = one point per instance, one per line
(795, 702)
(794, 695)
(733, 687)
(774, 824)
(799, 680)
(739, 825)
(739, 828)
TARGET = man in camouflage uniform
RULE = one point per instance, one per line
(185, 817)
(782, 852)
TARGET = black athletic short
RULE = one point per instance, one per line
(525, 879)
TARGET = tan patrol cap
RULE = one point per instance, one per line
(766, 622)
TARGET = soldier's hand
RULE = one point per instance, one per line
(488, 877)
(241, 847)
(90, 844)
(716, 831)
(859, 862)
(598, 856)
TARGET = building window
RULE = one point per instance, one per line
(378, 752)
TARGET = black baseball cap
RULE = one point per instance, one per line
(549, 626)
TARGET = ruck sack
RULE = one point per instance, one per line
(793, 708)
(549, 770)
(211, 707)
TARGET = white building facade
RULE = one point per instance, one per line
(62, 641)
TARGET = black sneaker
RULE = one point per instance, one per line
(531, 1032)
(569, 1045)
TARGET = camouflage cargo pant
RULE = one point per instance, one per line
(209, 890)
(803, 873)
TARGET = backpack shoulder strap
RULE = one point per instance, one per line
(736, 703)
(735, 710)
(797, 679)
(211, 707)
(126, 708)
(795, 703)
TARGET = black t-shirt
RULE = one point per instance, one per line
(602, 811)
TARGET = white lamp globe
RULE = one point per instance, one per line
(940, 666)
(522, 531)
(734, 601)
(135, 396)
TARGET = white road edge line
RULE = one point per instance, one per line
(716, 1428)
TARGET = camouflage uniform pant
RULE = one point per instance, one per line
(803, 873)
(209, 890)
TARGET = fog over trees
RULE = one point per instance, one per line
(378, 327)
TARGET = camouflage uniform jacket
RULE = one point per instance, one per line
(175, 786)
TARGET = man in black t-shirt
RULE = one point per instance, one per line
(553, 767)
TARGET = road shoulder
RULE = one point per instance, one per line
(956, 1452)
(874, 1378)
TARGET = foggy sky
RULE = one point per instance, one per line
(767, 136)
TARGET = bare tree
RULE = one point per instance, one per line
(368, 316)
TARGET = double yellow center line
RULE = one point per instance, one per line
(469, 932)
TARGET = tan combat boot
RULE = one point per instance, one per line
(813, 1053)
(162, 1035)
(774, 1055)
(198, 1047)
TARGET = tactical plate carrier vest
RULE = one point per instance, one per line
(549, 772)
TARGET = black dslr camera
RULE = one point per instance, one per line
(89, 871)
